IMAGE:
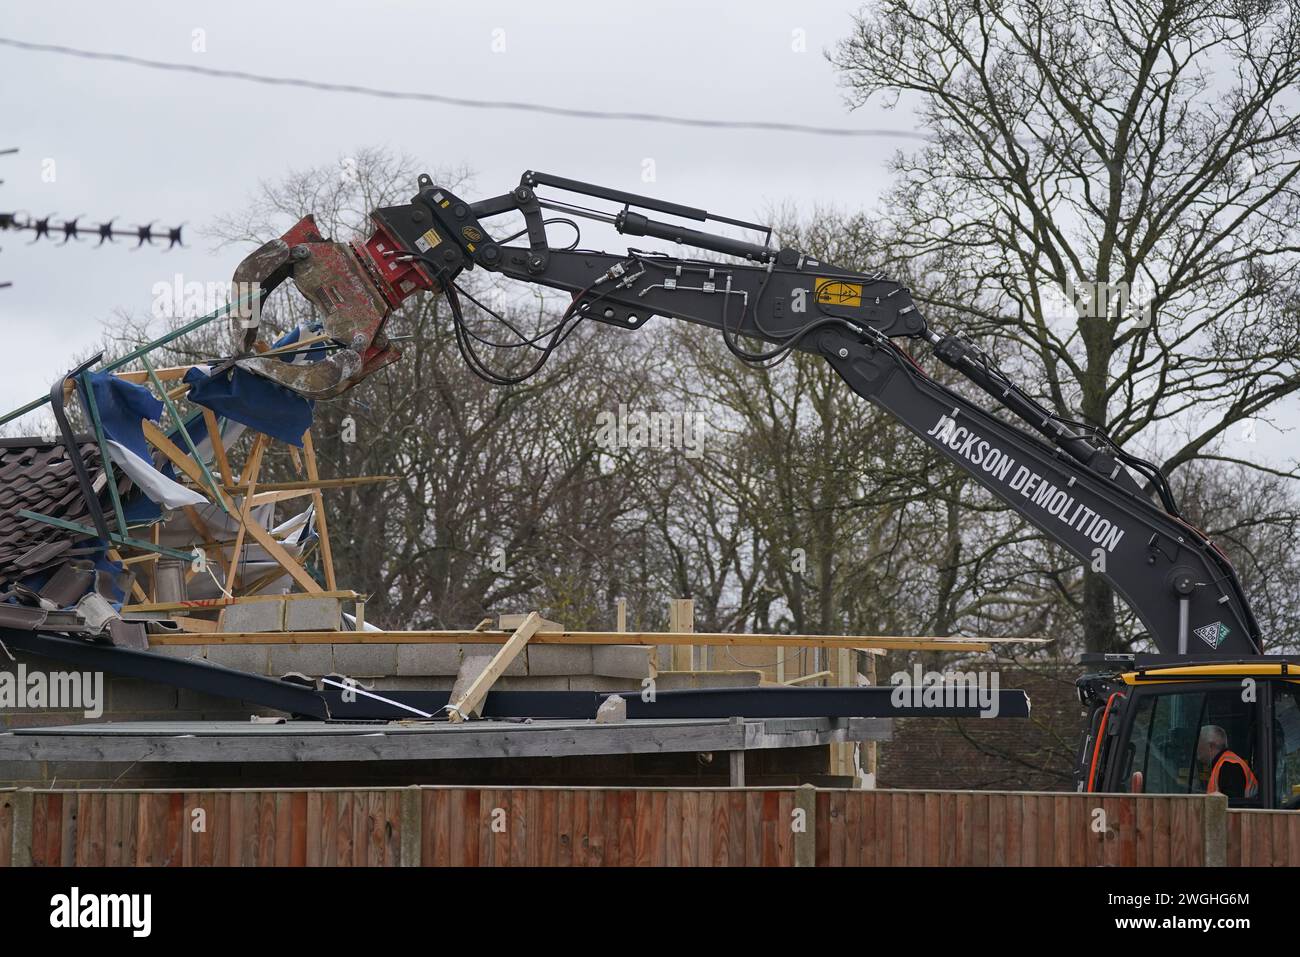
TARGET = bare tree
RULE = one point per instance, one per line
(1109, 200)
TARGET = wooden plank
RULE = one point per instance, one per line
(313, 856)
(492, 637)
(1178, 833)
(343, 837)
(534, 837)
(643, 832)
(581, 835)
(1129, 834)
(980, 829)
(1279, 842)
(377, 819)
(322, 524)
(659, 828)
(218, 446)
(136, 590)
(900, 826)
(821, 806)
(393, 828)
(489, 798)
(753, 827)
(1160, 845)
(784, 834)
(309, 485)
(681, 619)
(736, 829)
(298, 823)
(252, 466)
(884, 809)
(216, 603)
(1079, 830)
(234, 855)
(997, 830)
(1195, 834)
(770, 809)
(182, 461)
(626, 818)
(112, 830)
(1014, 817)
(550, 810)
(269, 822)
(596, 824)
(208, 544)
(704, 830)
(360, 829)
(948, 822)
(144, 830)
(518, 828)
(468, 704)
(1061, 831)
(189, 836)
(689, 834)
(721, 835)
(834, 825)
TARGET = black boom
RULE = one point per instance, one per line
(1072, 485)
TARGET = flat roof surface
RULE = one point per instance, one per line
(215, 741)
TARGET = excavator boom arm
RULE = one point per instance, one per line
(1068, 484)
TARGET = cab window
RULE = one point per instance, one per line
(1286, 744)
(1178, 737)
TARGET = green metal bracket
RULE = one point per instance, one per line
(185, 434)
(114, 539)
(93, 408)
(137, 353)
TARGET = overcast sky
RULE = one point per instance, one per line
(143, 144)
(172, 147)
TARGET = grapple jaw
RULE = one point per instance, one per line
(347, 283)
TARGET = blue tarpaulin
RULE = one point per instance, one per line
(121, 406)
(256, 402)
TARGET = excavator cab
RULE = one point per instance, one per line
(1158, 725)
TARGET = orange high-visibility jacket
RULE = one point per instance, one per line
(1228, 757)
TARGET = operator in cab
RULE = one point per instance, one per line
(1230, 775)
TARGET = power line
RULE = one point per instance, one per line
(573, 112)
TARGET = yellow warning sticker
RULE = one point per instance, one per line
(428, 241)
(837, 292)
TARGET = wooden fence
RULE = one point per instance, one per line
(1264, 838)
(481, 827)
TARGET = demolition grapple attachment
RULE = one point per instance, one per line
(354, 285)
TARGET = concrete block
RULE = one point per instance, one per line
(470, 669)
(559, 660)
(612, 710)
(312, 660)
(602, 683)
(675, 680)
(253, 616)
(428, 659)
(255, 659)
(313, 614)
(179, 651)
(414, 683)
(511, 622)
(532, 683)
(365, 661)
(621, 661)
(517, 667)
